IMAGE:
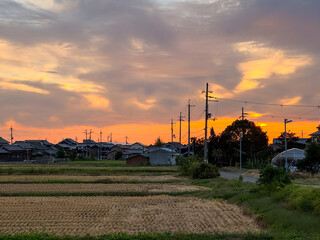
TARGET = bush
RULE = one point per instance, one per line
(202, 170)
(118, 155)
(302, 198)
(311, 163)
(273, 178)
(194, 167)
(185, 163)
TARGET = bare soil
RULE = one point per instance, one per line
(131, 215)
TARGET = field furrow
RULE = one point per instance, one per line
(101, 215)
(96, 188)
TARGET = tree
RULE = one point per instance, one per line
(254, 140)
(292, 141)
(158, 142)
(61, 153)
(118, 155)
(198, 146)
(213, 148)
(311, 163)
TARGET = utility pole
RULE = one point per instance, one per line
(11, 133)
(90, 133)
(86, 132)
(172, 135)
(189, 111)
(111, 138)
(206, 124)
(100, 136)
(180, 120)
(285, 141)
(243, 114)
(126, 140)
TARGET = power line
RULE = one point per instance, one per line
(269, 104)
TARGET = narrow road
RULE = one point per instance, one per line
(229, 175)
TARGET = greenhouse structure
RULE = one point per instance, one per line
(293, 155)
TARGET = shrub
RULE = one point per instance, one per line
(202, 170)
(302, 198)
(61, 153)
(184, 164)
(118, 155)
(273, 178)
(311, 163)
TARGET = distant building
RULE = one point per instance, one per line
(140, 159)
(315, 137)
(293, 155)
(163, 156)
(3, 142)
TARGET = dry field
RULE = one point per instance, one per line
(98, 187)
(42, 178)
(101, 215)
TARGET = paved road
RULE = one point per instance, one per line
(228, 175)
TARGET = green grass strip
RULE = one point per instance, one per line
(165, 236)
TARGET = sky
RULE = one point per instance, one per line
(128, 67)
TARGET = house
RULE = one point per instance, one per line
(17, 153)
(4, 155)
(26, 146)
(140, 159)
(315, 137)
(112, 155)
(137, 146)
(3, 142)
(163, 156)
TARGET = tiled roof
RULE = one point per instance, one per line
(3, 141)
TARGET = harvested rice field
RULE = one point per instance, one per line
(43, 178)
(98, 188)
(131, 215)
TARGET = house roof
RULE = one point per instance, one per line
(13, 148)
(163, 149)
(68, 141)
(3, 141)
(317, 133)
(139, 143)
(143, 155)
(23, 145)
(4, 151)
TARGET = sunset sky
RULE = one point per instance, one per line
(130, 66)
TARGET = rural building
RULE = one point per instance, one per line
(137, 146)
(162, 156)
(140, 159)
(293, 155)
(112, 155)
(315, 137)
(3, 142)
(17, 153)
(4, 155)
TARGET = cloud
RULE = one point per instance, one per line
(106, 62)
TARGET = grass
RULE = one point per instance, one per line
(104, 163)
(38, 170)
(164, 236)
(106, 181)
(282, 222)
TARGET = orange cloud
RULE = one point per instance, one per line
(267, 61)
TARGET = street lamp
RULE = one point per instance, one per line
(285, 141)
